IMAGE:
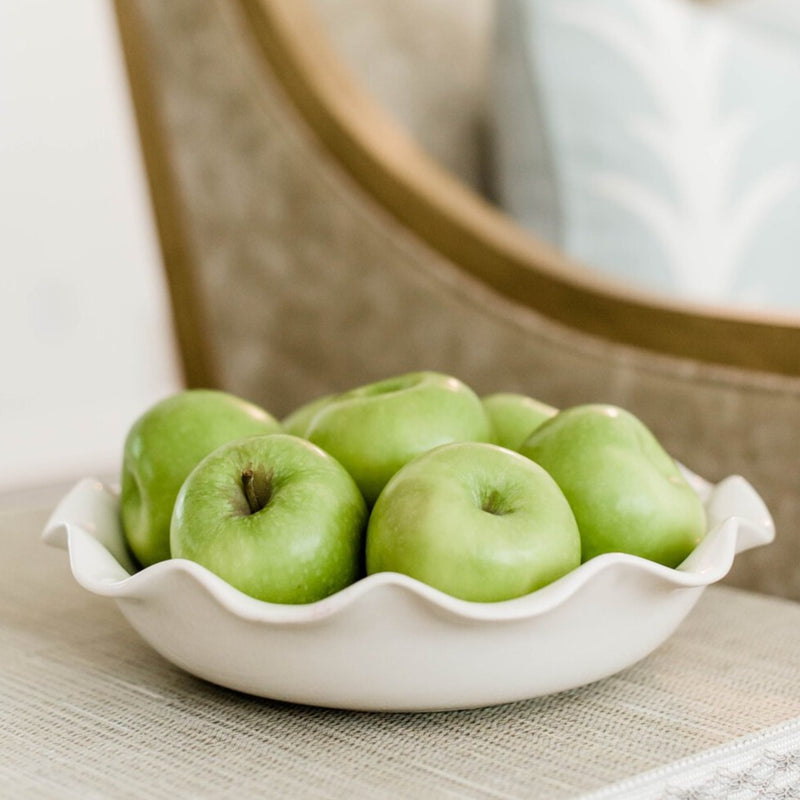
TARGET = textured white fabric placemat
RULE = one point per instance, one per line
(763, 765)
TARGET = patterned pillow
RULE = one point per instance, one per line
(656, 140)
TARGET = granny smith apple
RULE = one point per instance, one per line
(515, 416)
(627, 492)
(163, 446)
(476, 521)
(374, 430)
(275, 516)
(297, 422)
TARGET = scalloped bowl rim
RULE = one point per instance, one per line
(389, 642)
(724, 536)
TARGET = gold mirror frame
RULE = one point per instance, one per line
(452, 219)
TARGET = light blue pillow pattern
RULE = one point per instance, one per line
(656, 140)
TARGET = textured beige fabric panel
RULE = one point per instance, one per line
(426, 62)
(310, 288)
(88, 710)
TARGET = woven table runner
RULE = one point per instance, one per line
(88, 710)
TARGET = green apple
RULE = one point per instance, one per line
(297, 422)
(275, 516)
(627, 492)
(515, 417)
(476, 521)
(163, 446)
(374, 430)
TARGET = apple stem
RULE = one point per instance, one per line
(257, 489)
(493, 504)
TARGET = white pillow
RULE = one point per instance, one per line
(656, 140)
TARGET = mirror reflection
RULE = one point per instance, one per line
(656, 140)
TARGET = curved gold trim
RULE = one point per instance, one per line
(188, 314)
(473, 234)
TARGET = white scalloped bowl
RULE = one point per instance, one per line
(391, 643)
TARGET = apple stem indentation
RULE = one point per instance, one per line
(493, 503)
(257, 488)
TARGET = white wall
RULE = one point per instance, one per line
(85, 336)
